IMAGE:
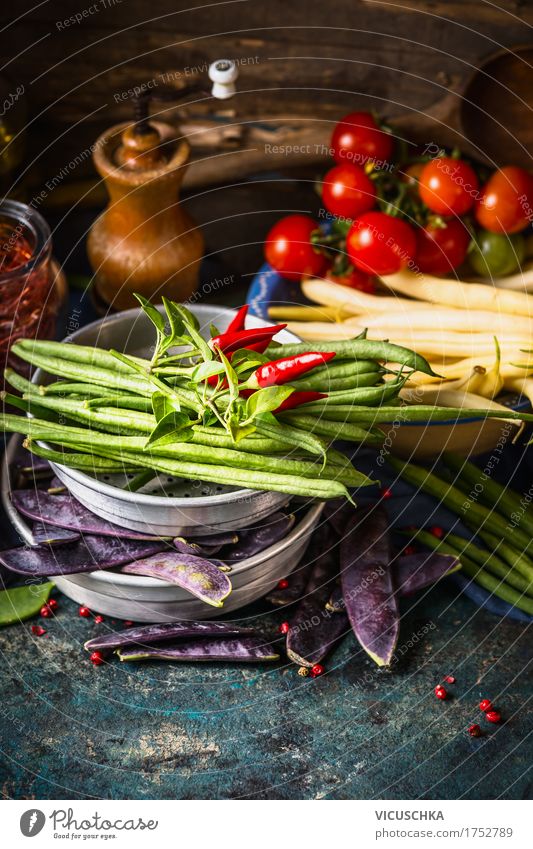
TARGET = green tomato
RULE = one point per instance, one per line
(496, 255)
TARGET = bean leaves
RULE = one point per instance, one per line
(24, 602)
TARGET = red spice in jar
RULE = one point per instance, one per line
(30, 290)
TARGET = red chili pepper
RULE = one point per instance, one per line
(230, 342)
(294, 400)
(298, 398)
(260, 347)
(239, 320)
(289, 368)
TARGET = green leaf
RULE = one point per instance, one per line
(244, 359)
(238, 431)
(200, 343)
(214, 331)
(233, 380)
(171, 437)
(210, 420)
(174, 427)
(175, 320)
(23, 602)
(205, 370)
(152, 312)
(187, 316)
(266, 400)
(164, 406)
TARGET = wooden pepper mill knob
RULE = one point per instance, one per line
(143, 241)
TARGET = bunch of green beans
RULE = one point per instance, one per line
(297, 476)
(504, 568)
(102, 407)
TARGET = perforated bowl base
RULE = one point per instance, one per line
(169, 486)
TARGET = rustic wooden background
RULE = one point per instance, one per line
(304, 64)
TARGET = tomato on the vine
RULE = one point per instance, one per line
(358, 139)
(380, 244)
(289, 250)
(347, 191)
(496, 254)
(506, 201)
(448, 186)
(354, 279)
(441, 249)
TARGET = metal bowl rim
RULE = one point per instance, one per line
(295, 535)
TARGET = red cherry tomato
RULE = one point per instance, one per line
(380, 244)
(358, 139)
(355, 279)
(506, 201)
(289, 251)
(347, 191)
(441, 249)
(448, 186)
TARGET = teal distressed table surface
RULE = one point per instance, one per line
(71, 730)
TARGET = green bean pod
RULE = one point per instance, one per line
(322, 383)
(245, 478)
(333, 430)
(365, 349)
(498, 587)
(89, 463)
(219, 438)
(111, 419)
(422, 413)
(480, 575)
(21, 404)
(370, 396)
(289, 435)
(191, 452)
(342, 412)
(81, 372)
(86, 390)
(82, 354)
(124, 402)
(516, 559)
(18, 382)
(343, 369)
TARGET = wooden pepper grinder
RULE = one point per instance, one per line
(144, 241)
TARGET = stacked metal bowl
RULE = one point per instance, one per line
(170, 507)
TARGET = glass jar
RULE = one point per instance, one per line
(32, 287)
